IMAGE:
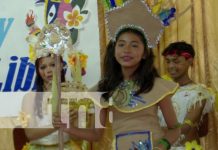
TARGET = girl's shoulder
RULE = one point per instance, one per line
(29, 97)
(199, 91)
(164, 86)
(126, 101)
(161, 89)
(28, 102)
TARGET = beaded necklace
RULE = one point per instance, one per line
(125, 95)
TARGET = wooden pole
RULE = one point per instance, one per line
(58, 73)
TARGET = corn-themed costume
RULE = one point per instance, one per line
(135, 122)
(185, 98)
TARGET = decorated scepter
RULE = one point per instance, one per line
(56, 38)
(53, 40)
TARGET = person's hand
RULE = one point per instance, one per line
(56, 121)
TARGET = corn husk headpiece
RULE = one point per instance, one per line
(134, 14)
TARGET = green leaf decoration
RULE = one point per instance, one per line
(74, 35)
(84, 12)
(80, 3)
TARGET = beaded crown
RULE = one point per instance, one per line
(138, 15)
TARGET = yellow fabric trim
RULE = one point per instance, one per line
(156, 101)
(101, 105)
(190, 123)
(70, 143)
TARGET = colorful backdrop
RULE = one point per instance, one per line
(17, 72)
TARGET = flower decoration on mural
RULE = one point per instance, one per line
(30, 18)
(53, 38)
(78, 59)
(69, 12)
(108, 4)
(33, 34)
(74, 19)
(23, 118)
(163, 9)
(192, 146)
(30, 22)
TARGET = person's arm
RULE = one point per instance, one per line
(36, 133)
(192, 117)
(28, 106)
(93, 134)
(173, 132)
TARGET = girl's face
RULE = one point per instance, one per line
(129, 50)
(46, 67)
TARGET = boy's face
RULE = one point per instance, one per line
(177, 66)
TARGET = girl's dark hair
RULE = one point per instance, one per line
(144, 75)
(179, 47)
(39, 80)
(39, 86)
